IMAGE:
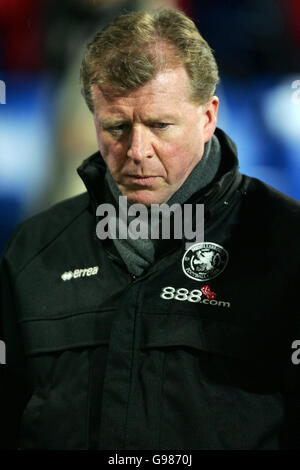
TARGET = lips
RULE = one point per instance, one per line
(142, 180)
(142, 176)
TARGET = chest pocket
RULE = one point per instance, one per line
(249, 356)
(58, 333)
(219, 383)
(62, 354)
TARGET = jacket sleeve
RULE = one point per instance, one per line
(12, 364)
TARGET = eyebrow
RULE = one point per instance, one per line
(112, 122)
(116, 121)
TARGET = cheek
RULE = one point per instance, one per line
(103, 144)
(113, 155)
(104, 149)
(178, 158)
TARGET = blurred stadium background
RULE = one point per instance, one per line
(46, 129)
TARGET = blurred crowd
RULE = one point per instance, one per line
(46, 129)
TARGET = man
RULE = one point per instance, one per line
(123, 343)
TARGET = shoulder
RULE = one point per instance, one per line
(272, 216)
(36, 233)
(269, 200)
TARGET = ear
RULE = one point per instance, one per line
(210, 114)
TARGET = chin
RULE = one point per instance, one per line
(145, 197)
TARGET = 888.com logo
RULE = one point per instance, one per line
(203, 296)
(169, 293)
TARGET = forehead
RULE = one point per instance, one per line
(169, 90)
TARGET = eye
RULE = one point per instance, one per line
(117, 130)
(160, 125)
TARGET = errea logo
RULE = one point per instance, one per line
(68, 275)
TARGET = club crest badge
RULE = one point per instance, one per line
(204, 261)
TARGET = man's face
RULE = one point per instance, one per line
(152, 138)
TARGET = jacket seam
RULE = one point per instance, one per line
(68, 315)
(49, 243)
(134, 358)
(161, 407)
(88, 407)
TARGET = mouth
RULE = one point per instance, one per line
(142, 180)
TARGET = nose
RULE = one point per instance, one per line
(140, 145)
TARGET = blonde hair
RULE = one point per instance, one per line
(134, 47)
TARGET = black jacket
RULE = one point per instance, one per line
(97, 359)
